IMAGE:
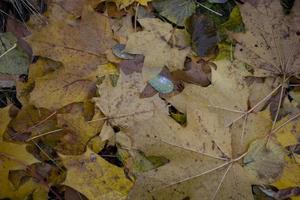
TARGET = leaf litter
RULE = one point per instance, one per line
(187, 99)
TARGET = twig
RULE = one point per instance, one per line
(282, 125)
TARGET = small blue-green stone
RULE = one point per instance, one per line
(161, 84)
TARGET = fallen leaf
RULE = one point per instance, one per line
(204, 35)
(13, 59)
(235, 22)
(288, 134)
(122, 28)
(14, 157)
(196, 73)
(176, 11)
(265, 161)
(76, 51)
(122, 104)
(206, 115)
(134, 65)
(76, 132)
(104, 180)
(27, 123)
(290, 177)
(156, 35)
(42, 67)
(75, 7)
(269, 44)
(138, 162)
(121, 4)
(201, 106)
(4, 120)
(62, 87)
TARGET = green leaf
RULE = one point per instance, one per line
(225, 51)
(143, 163)
(176, 11)
(235, 21)
(13, 59)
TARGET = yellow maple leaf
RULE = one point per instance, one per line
(95, 177)
(156, 35)
(124, 3)
(13, 157)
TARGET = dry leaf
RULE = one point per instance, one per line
(156, 35)
(95, 178)
(195, 72)
(14, 157)
(121, 4)
(60, 88)
(76, 132)
(270, 45)
(76, 51)
(122, 104)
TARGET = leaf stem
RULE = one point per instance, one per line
(254, 107)
(222, 180)
(282, 125)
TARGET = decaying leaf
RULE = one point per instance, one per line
(130, 66)
(195, 72)
(176, 11)
(208, 115)
(76, 51)
(290, 177)
(37, 70)
(266, 161)
(156, 35)
(202, 116)
(14, 157)
(76, 132)
(204, 35)
(4, 120)
(122, 105)
(62, 87)
(270, 45)
(13, 59)
(121, 4)
(113, 102)
(77, 91)
(27, 123)
(104, 180)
